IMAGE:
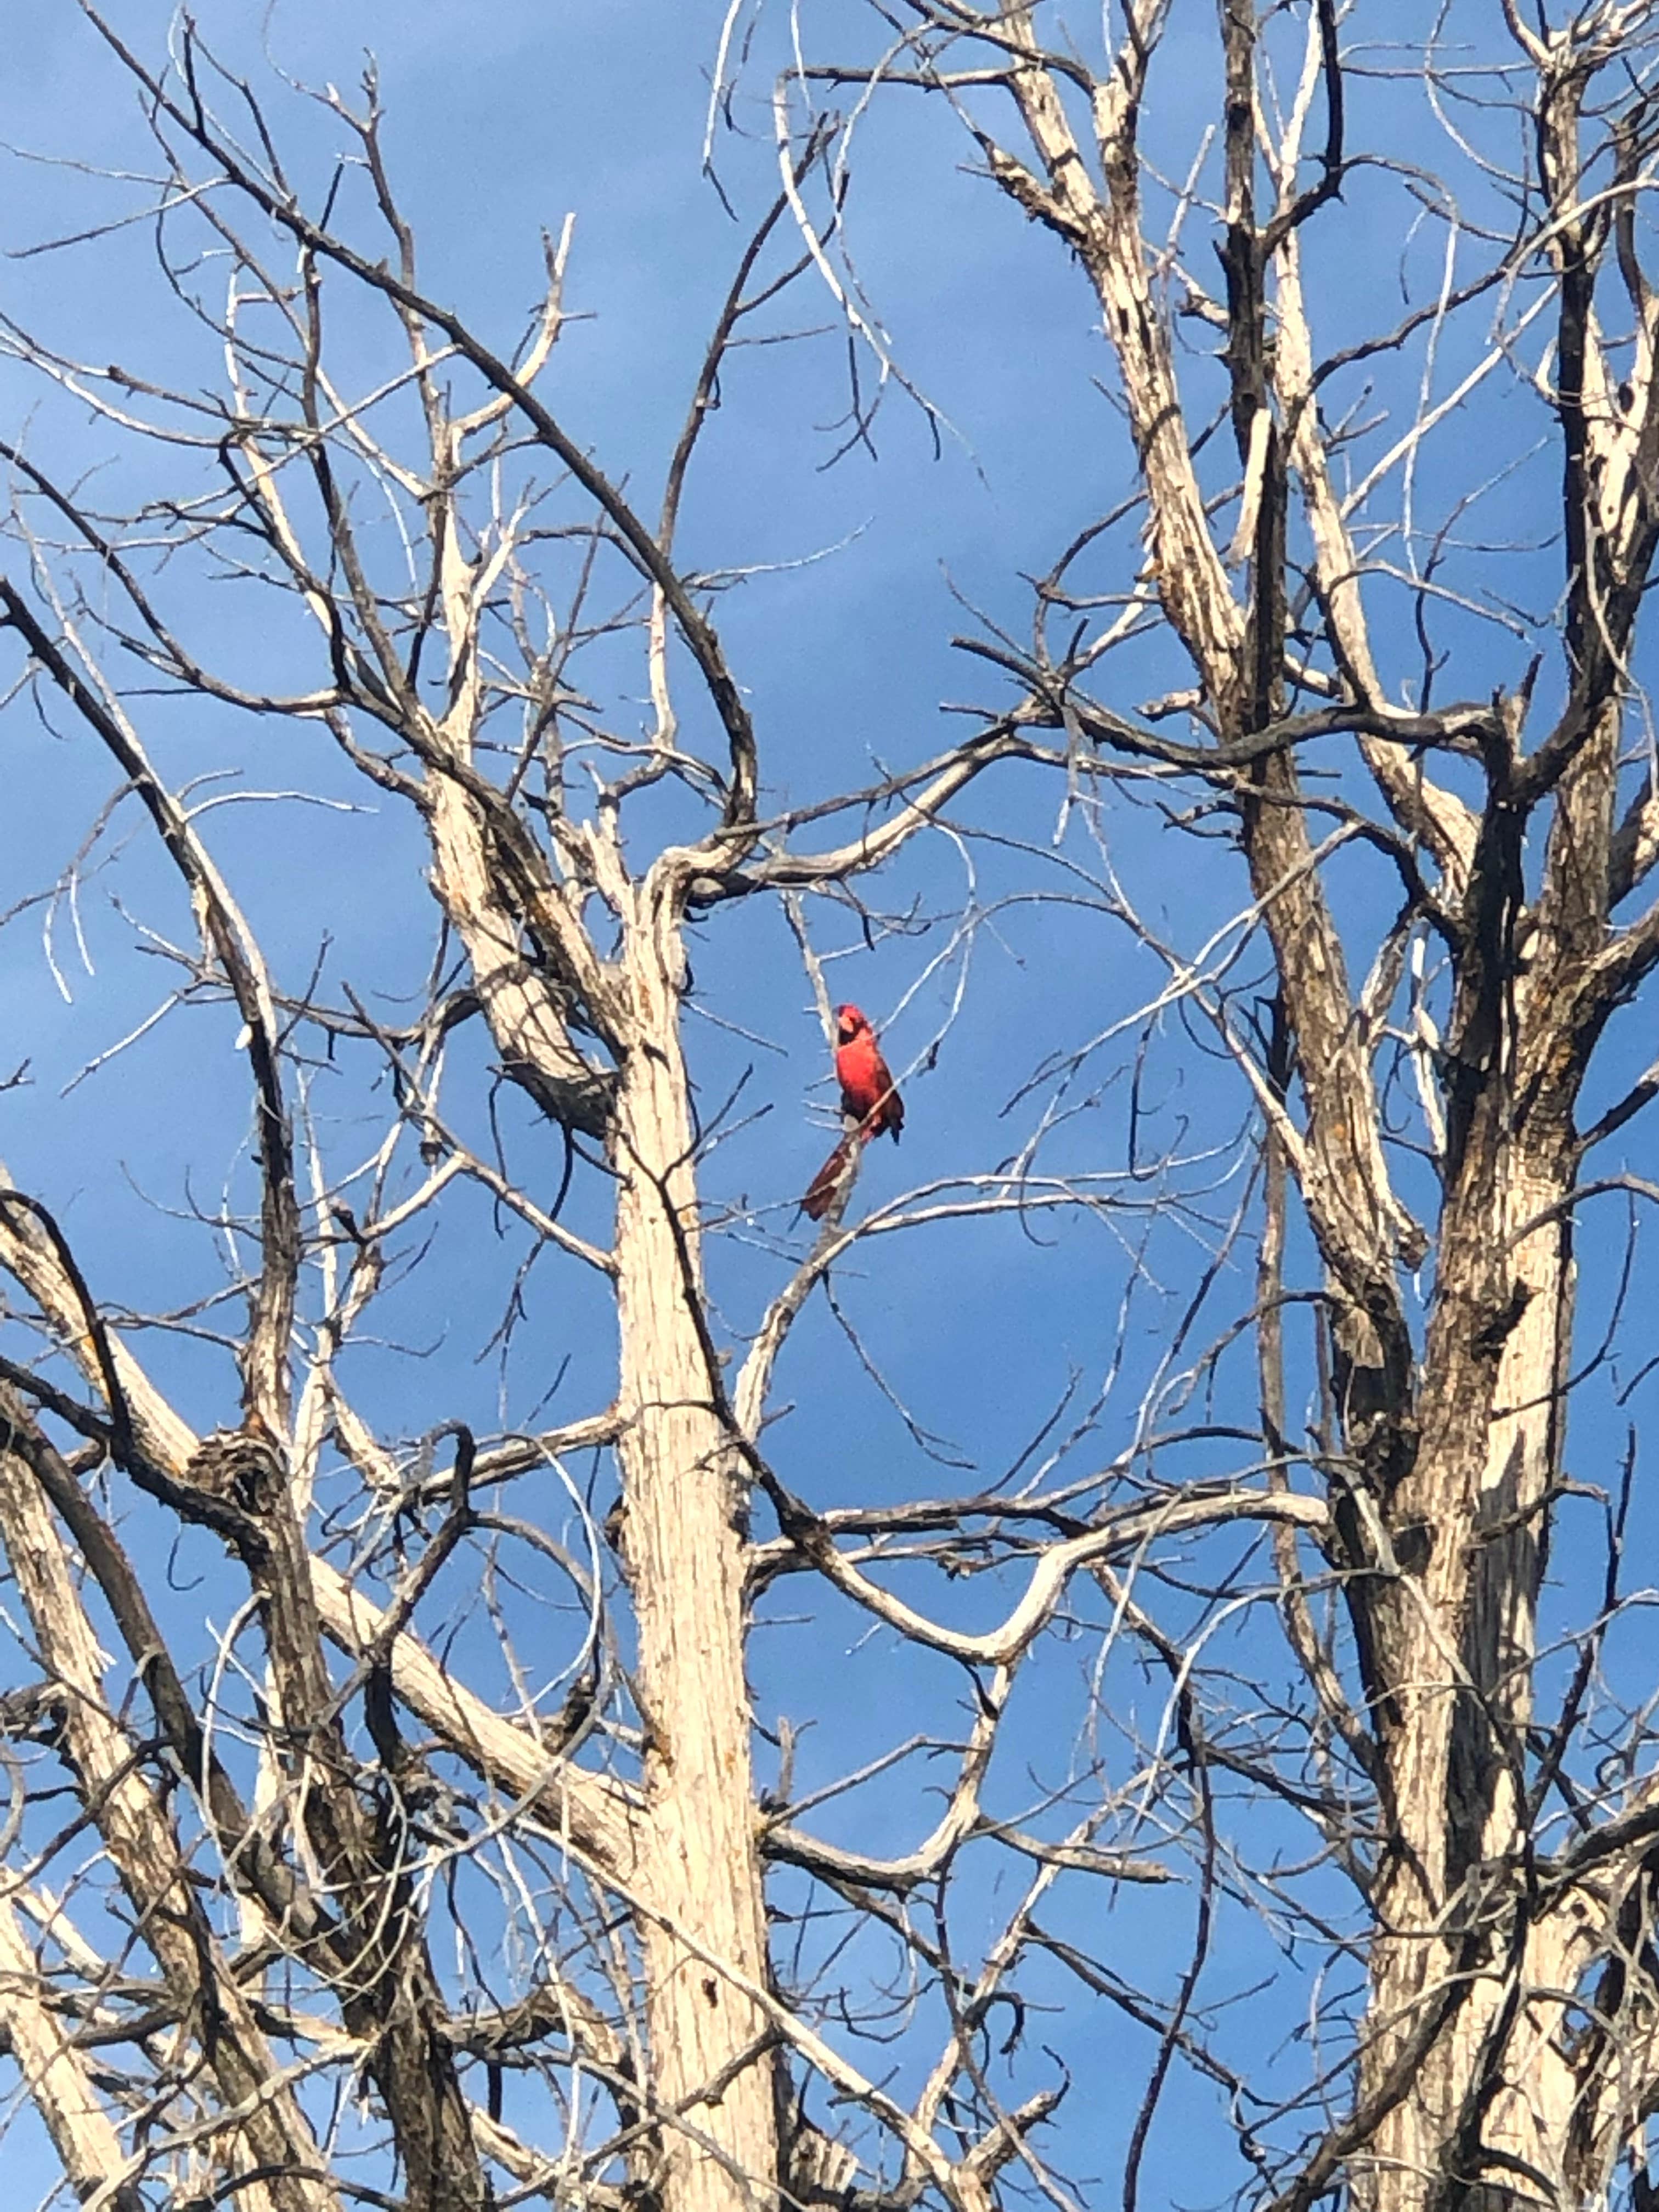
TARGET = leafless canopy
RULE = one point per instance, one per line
(474, 1847)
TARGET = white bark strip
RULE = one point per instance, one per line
(683, 1488)
(141, 1844)
(53, 2070)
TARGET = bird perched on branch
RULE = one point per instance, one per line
(869, 1099)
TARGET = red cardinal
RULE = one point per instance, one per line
(869, 1097)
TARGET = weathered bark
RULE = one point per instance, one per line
(1456, 1635)
(55, 2075)
(1495, 2111)
(1470, 1523)
(264, 2124)
(527, 1017)
(1473, 2087)
(684, 1532)
(375, 1955)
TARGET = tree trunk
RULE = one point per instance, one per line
(684, 1547)
(1463, 2047)
(275, 2136)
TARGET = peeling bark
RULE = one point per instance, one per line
(683, 1485)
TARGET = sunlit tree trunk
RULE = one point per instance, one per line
(683, 1485)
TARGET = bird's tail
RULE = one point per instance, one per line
(826, 1183)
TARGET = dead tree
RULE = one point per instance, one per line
(475, 1850)
(261, 1961)
(1504, 2054)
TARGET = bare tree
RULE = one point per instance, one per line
(470, 1852)
(1504, 2053)
(281, 1855)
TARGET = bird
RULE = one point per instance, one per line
(869, 1099)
